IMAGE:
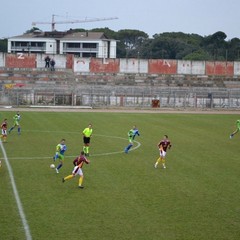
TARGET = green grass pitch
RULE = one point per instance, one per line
(125, 197)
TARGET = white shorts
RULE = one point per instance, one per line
(4, 132)
(162, 153)
(77, 171)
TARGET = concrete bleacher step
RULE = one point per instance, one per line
(66, 77)
(232, 84)
(38, 76)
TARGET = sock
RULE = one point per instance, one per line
(87, 150)
(80, 181)
(11, 129)
(69, 177)
(84, 149)
(59, 166)
(19, 130)
(129, 146)
(163, 162)
(55, 156)
(158, 160)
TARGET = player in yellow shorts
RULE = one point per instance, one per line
(4, 130)
(78, 164)
(163, 146)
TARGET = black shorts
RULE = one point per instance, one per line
(86, 140)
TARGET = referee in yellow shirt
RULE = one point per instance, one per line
(87, 133)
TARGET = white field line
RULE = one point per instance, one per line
(92, 155)
(15, 191)
(16, 195)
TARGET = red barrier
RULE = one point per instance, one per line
(20, 60)
(220, 68)
(99, 65)
(162, 66)
(69, 61)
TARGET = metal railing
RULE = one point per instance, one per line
(106, 97)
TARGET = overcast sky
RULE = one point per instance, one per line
(203, 17)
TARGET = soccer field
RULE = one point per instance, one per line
(124, 196)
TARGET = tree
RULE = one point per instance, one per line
(3, 45)
(234, 49)
(131, 42)
(174, 45)
(33, 29)
(218, 39)
(215, 45)
(199, 55)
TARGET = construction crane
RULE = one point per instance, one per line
(53, 23)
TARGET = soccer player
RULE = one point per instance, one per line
(87, 133)
(60, 150)
(16, 120)
(163, 145)
(131, 135)
(4, 130)
(237, 129)
(78, 164)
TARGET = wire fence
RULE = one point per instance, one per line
(137, 97)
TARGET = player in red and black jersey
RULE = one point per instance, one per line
(163, 146)
(78, 164)
(4, 130)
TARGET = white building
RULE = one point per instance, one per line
(81, 44)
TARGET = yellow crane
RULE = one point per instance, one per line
(53, 22)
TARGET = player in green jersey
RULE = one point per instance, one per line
(237, 129)
(16, 120)
(131, 135)
(60, 150)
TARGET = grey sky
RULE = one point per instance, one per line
(203, 17)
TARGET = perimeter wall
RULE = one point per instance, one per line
(122, 66)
